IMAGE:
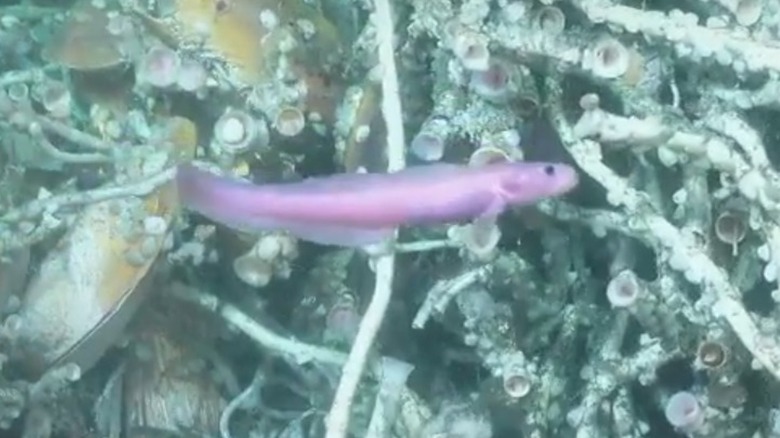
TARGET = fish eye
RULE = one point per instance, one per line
(549, 170)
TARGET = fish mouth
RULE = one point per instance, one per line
(570, 183)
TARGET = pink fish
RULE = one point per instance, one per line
(359, 209)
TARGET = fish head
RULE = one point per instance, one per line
(528, 182)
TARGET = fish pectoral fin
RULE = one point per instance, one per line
(338, 235)
(494, 208)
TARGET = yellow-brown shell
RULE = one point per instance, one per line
(364, 143)
(163, 391)
(233, 30)
(88, 287)
(84, 41)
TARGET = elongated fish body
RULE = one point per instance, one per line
(359, 209)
